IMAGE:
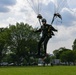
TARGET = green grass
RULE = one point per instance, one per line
(55, 70)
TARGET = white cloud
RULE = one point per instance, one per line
(71, 3)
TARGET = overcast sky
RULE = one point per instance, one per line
(12, 11)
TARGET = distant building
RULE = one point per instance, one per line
(56, 61)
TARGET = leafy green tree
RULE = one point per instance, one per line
(58, 52)
(23, 41)
(68, 56)
(3, 42)
(74, 45)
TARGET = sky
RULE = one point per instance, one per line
(12, 11)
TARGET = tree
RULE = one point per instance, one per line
(3, 42)
(68, 56)
(59, 51)
(74, 45)
(56, 53)
(23, 41)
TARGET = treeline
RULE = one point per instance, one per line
(18, 43)
(18, 46)
(66, 56)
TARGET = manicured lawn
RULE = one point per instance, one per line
(55, 70)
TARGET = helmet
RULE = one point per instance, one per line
(43, 20)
